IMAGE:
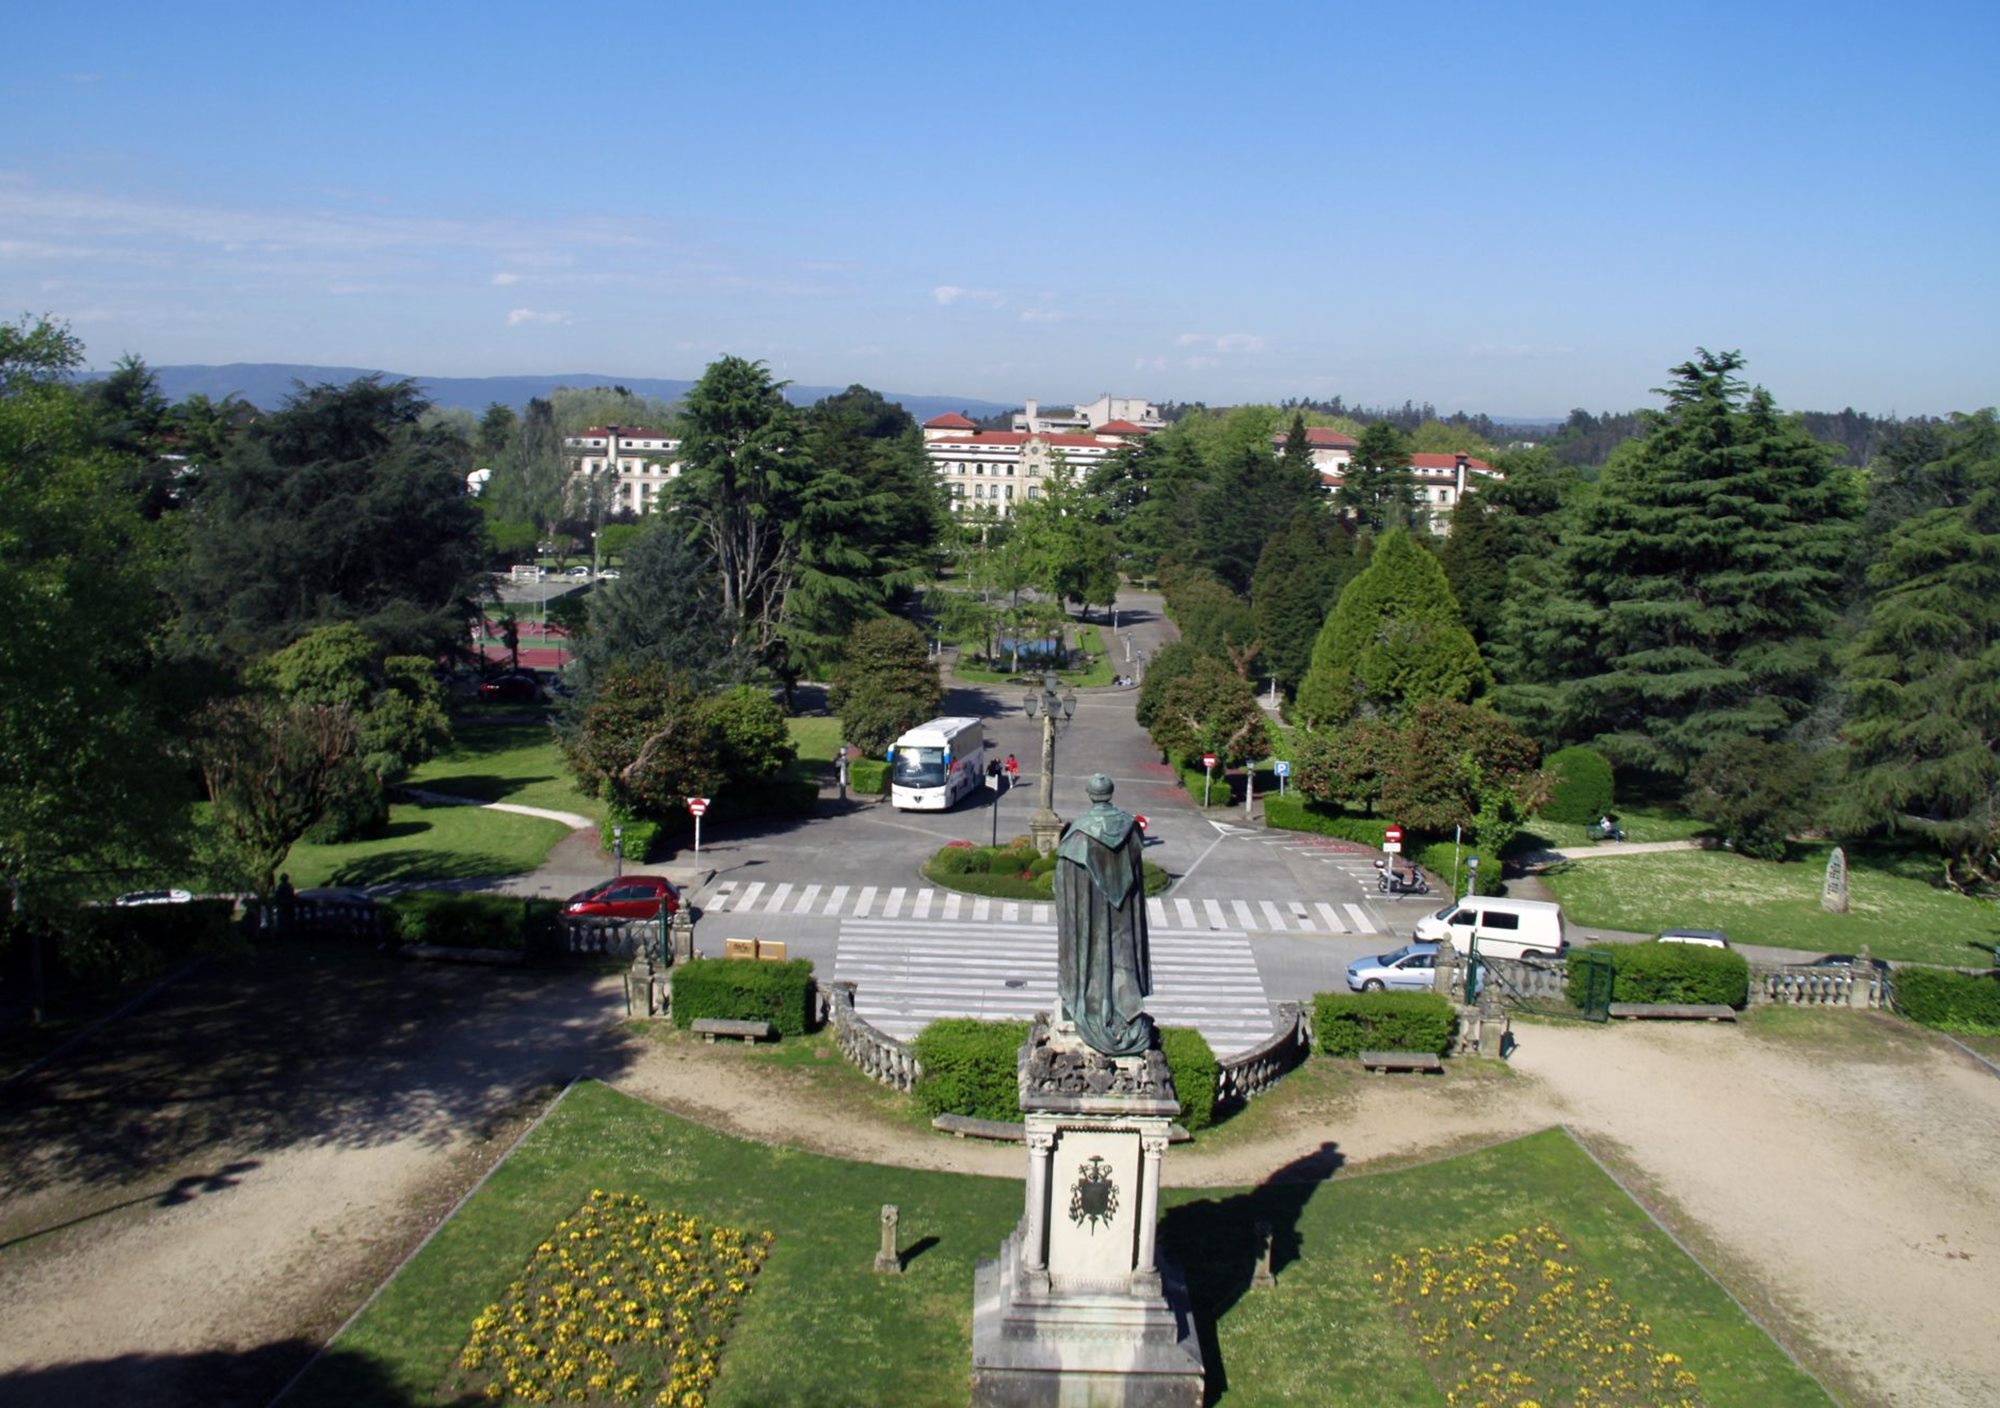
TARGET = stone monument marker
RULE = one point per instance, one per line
(1833, 894)
(1080, 1309)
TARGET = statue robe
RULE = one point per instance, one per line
(1104, 969)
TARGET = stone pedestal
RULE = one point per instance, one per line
(1080, 1310)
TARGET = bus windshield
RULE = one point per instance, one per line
(919, 767)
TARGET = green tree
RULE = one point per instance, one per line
(886, 684)
(86, 783)
(1248, 497)
(1694, 594)
(1210, 709)
(497, 429)
(666, 609)
(646, 741)
(1498, 526)
(753, 746)
(1923, 728)
(1149, 494)
(1170, 662)
(1463, 765)
(1344, 766)
(1395, 638)
(531, 475)
(1759, 793)
(1376, 487)
(511, 540)
(272, 771)
(1299, 577)
(338, 507)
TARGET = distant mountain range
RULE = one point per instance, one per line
(267, 384)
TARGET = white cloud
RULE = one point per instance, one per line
(502, 280)
(1224, 342)
(518, 316)
(1043, 315)
(948, 294)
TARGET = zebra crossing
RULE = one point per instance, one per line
(908, 973)
(926, 903)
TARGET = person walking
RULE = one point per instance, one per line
(1013, 771)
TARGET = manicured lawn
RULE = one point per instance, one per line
(820, 1327)
(426, 842)
(1644, 824)
(1897, 915)
(507, 763)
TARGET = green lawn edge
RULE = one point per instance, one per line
(823, 1327)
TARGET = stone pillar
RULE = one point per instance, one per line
(1145, 1266)
(1444, 980)
(1861, 977)
(682, 928)
(887, 1260)
(1263, 1278)
(1035, 1225)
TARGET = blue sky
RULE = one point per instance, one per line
(1491, 207)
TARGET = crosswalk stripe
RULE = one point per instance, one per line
(1361, 924)
(924, 902)
(1243, 915)
(981, 907)
(778, 898)
(949, 907)
(864, 901)
(838, 899)
(749, 896)
(1156, 911)
(1043, 913)
(1273, 914)
(1332, 919)
(895, 905)
(951, 903)
(805, 904)
(1214, 910)
(1185, 908)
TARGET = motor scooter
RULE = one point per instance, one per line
(1393, 881)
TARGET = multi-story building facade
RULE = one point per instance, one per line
(1084, 419)
(993, 470)
(629, 464)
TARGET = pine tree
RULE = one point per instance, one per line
(1694, 593)
(1298, 579)
(1377, 489)
(1924, 724)
(1395, 638)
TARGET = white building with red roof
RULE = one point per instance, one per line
(638, 460)
(993, 470)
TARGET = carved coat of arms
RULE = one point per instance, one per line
(1093, 1198)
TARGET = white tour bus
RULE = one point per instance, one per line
(935, 764)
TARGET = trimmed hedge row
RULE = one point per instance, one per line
(973, 1068)
(1348, 1024)
(1656, 972)
(1294, 813)
(1959, 1002)
(476, 921)
(745, 990)
(640, 837)
(106, 945)
(868, 777)
(1436, 861)
(1010, 872)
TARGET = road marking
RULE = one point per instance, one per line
(1156, 911)
(895, 905)
(1043, 914)
(749, 896)
(1214, 909)
(1332, 919)
(1010, 912)
(863, 901)
(1273, 914)
(924, 902)
(1243, 915)
(1362, 925)
(805, 903)
(1185, 908)
(838, 899)
(951, 903)
(778, 898)
(982, 908)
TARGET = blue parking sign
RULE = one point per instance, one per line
(1282, 768)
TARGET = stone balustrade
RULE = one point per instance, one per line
(616, 938)
(1243, 1078)
(878, 1054)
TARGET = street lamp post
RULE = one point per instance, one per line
(1053, 709)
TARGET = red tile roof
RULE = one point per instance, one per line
(1120, 427)
(1428, 461)
(950, 420)
(1321, 437)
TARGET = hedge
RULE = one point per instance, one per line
(1195, 1071)
(640, 837)
(1293, 813)
(476, 921)
(1194, 777)
(1581, 786)
(106, 945)
(970, 1068)
(1656, 972)
(1959, 1002)
(1349, 1023)
(1014, 871)
(868, 777)
(1436, 861)
(745, 990)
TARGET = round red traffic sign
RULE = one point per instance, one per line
(1208, 760)
(697, 805)
(1392, 833)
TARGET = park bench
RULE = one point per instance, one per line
(968, 1127)
(1382, 1062)
(709, 1028)
(1684, 1011)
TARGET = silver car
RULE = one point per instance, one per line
(1411, 968)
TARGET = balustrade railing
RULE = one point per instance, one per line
(878, 1054)
(1243, 1078)
(626, 938)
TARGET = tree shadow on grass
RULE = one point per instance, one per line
(1214, 1240)
(399, 866)
(213, 1379)
(481, 786)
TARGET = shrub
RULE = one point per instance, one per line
(971, 1068)
(1295, 813)
(475, 921)
(1350, 1023)
(105, 945)
(1580, 790)
(1960, 1002)
(1195, 1070)
(1436, 861)
(956, 860)
(1657, 972)
(1198, 781)
(745, 990)
(1758, 793)
(640, 837)
(868, 777)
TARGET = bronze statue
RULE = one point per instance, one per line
(1104, 970)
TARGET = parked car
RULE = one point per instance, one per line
(1410, 968)
(138, 897)
(1502, 928)
(1707, 938)
(626, 897)
(517, 685)
(609, 574)
(578, 573)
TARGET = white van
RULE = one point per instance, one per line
(935, 764)
(1502, 928)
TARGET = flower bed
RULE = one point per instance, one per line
(619, 1305)
(1515, 1323)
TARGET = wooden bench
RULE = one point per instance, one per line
(709, 1028)
(1382, 1062)
(1683, 1011)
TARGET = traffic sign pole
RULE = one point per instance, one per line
(1207, 777)
(696, 806)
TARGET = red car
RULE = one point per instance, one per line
(520, 687)
(627, 897)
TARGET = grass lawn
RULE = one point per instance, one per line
(1641, 824)
(1898, 915)
(430, 842)
(820, 1327)
(507, 763)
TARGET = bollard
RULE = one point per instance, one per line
(886, 1260)
(1263, 1278)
